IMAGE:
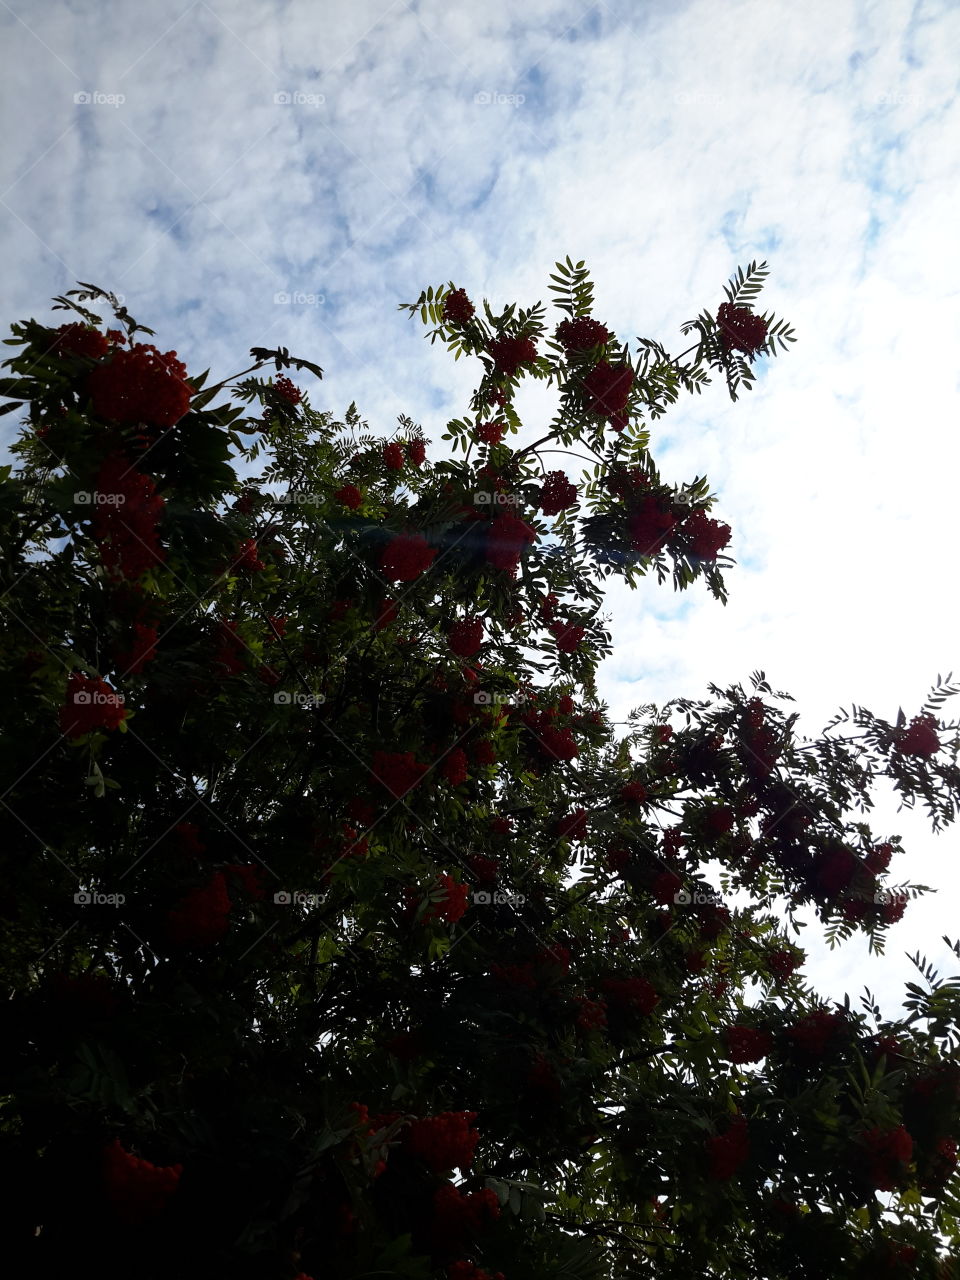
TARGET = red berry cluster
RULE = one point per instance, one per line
(703, 537)
(247, 558)
(618, 860)
(188, 839)
(466, 636)
(878, 859)
(556, 744)
(457, 307)
(717, 821)
(782, 963)
(136, 1189)
(90, 704)
(759, 750)
(406, 557)
(79, 340)
(572, 826)
(836, 869)
(517, 975)
(484, 870)
(747, 1044)
(490, 432)
(88, 996)
(443, 1142)
(349, 496)
(467, 1271)
(454, 767)
(889, 1152)
(141, 385)
(814, 1033)
(250, 877)
(506, 538)
(635, 994)
(920, 739)
(582, 334)
(940, 1167)
(230, 649)
(393, 457)
(728, 1151)
(286, 390)
(665, 886)
(452, 905)
(609, 387)
(483, 752)
(143, 650)
(398, 772)
(542, 1081)
(458, 1218)
(416, 452)
(557, 493)
(592, 1014)
(510, 353)
(567, 636)
(125, 528)
(202, 916)
(633, 793)
(740, 328)
(649, 524)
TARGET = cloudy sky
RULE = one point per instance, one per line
(205, 159)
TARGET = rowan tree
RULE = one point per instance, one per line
(344, 936)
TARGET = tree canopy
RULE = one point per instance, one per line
(343, 934)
